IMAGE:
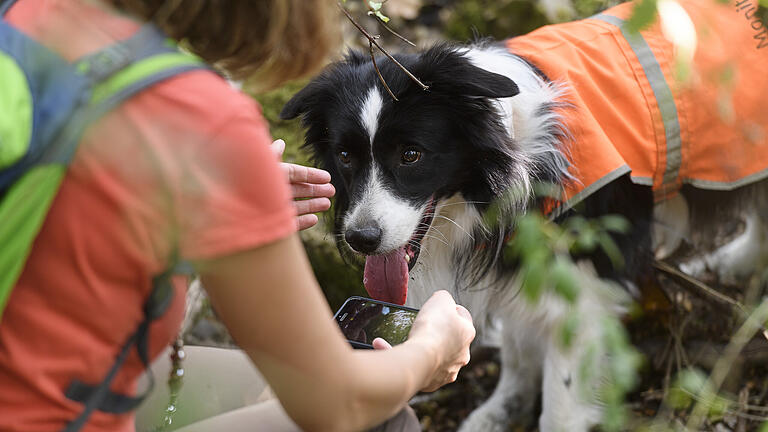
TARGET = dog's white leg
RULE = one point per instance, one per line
(671, 224)
(563, 407)
(570, 400)
(519, 384)
(737, 260)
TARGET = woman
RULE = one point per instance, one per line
(185, 168)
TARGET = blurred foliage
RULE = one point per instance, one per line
(502, 19)
(288, 130)
(544, 250)
(643, 15)
(608, 366)
(499, 19)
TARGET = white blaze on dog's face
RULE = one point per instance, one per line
(390, 161)
(377, 207)
(380, 222)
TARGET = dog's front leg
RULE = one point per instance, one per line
(564, 408)
(519, 385)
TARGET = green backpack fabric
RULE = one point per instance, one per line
(46, 103)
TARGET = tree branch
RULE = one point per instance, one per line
(372, 42)
(686, 280)
(378, 72)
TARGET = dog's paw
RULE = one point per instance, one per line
(496, 415)
(485, 420)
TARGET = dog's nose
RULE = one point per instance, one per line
(365, 239)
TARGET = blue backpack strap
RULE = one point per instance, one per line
(56, 90)
(99, 396)
(149, 44)
(5, 6)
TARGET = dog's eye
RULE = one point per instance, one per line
(411, 156)
(344, 157)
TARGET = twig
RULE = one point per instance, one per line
(384, 24)
(372, 41)
(396, 34)
(680, 276)
(702, 353)
(677, 274)
(378, 72)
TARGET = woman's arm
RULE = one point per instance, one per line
(272, 305)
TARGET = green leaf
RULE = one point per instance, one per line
(379, 15)
(625, 364)
(586, 240)
(546, 189)
(611, 250)
(643, 15)
(615, 223)
(491, 215)
(688, 383)
(564, 279)
(534, 281)
(718, 408)
(614, 417)
(682, 69)
(528, 237)
(569, 328)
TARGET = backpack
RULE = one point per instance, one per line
(46, 104)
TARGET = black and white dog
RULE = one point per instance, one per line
(414, 177)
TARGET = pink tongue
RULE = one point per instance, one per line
(386, 276)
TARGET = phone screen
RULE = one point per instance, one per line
(362, 320)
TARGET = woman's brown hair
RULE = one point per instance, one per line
(265, 42)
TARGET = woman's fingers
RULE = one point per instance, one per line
(278, 147)
(308, 190)
(463, 312)
(302, 174)
(314, 205)
(306, 221)
(380, 343)
(306, 182)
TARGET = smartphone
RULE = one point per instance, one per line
(362, 320)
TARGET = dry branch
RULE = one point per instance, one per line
(372, 42)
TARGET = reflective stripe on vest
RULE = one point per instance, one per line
(664, 100)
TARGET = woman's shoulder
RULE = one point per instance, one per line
(198, 101)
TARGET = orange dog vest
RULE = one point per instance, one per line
(632, 114)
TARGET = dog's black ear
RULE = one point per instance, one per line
(447, 70)
(299, 103)
(319, 86)
(480, 82)
(356, 58)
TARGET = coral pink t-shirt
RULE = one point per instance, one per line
(185, 164)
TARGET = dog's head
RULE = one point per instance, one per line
(392, 161)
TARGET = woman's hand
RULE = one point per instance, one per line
(447, 329)
(311, 188)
